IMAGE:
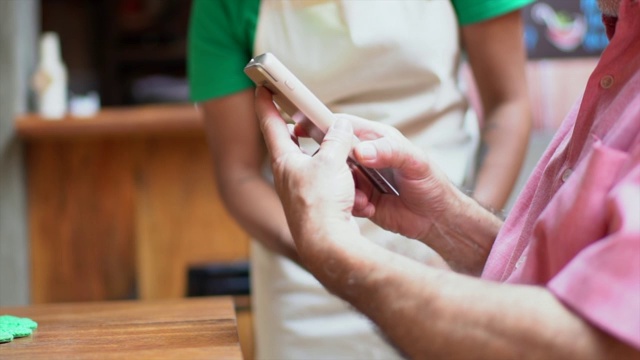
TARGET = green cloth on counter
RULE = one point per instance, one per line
(14, 327)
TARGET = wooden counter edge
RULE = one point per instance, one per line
(115, 121)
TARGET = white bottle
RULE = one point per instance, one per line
(50, 80)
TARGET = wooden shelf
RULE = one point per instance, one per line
(135, 120)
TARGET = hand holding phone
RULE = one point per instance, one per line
(294, 98)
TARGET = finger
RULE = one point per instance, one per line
(393, 153)
(338, 141)
(273, 126)
(383, 146)
(366, 129)
(362, 207)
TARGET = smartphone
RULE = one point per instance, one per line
(300, 104)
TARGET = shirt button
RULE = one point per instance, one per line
(606, 81)
(566, 174)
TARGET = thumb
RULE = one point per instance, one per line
(387, 152)
(338, 141)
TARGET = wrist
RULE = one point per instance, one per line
(343, 267)
(288, 245)
(320, 245)
(463, 233)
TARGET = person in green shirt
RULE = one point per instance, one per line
(396, 62)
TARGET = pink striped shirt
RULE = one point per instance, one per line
(576, 226)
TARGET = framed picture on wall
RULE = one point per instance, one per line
(564, 28)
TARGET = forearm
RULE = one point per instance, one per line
(497, 56)
(435, 314)
(463, 234)
(238, 154)
(503, 146)
(255, 206)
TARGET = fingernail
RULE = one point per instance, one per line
(367, 151)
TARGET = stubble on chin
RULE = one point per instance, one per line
(609, 7)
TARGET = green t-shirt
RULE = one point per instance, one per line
(220, 44)
(222, 33)
(473, 11)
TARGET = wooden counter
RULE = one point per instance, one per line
(119, 205)
(127, 121)
(196, 328)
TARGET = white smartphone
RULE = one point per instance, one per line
(294, 99)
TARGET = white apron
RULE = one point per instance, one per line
(389, 61)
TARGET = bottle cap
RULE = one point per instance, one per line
(50, 46)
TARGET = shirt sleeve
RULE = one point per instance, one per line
(220, 44)
(602, 283)
(473, 11)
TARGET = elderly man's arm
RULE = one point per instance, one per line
(435, 314)
(425, 312)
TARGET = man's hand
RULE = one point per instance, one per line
(430, 208)
(319, 198)
(424, 311)
(317, 192)
(426, 195)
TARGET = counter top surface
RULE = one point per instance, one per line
(191, 328)
(134, 120)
